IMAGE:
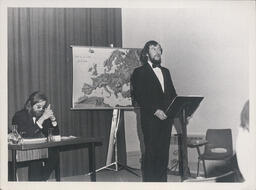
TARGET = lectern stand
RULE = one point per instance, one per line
(183, 107)
(118, 115)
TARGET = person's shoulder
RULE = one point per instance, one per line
(20, 116)
(20, 113)
(137, 69)
(165, 69)
(141, 68)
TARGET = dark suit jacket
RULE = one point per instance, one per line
(147, 89)
(28, 129)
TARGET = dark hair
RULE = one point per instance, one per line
(145, 50)
(245, 116)
(33, 99)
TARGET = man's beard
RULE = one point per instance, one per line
(36, 114)
(155, 61)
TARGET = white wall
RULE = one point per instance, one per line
(206, 51)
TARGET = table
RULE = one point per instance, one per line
(70, 143)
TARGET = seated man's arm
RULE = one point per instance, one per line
(49, 124)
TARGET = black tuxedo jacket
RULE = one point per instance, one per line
(28, 129)
(147, 91)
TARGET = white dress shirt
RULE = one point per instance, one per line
(39, 125)
(159, 74)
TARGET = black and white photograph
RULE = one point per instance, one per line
(120, 94)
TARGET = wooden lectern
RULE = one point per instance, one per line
(183, 107)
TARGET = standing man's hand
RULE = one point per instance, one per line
(160, 114)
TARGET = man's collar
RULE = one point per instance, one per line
(34, 119)
(149, 62)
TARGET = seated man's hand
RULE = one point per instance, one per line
(160, 114)
(48, 113)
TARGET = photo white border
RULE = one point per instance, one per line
(112, 4)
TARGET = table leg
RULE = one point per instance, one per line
(92, 161)
(57, 168)
(14, 165)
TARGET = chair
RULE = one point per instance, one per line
(217, 146)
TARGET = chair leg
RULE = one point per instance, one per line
(198, 164)
(205, 173)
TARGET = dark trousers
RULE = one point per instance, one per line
(156, 157)
(37, 171)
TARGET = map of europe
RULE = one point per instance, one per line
(101, 76)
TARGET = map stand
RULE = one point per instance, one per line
(118, 114)
(183, 107)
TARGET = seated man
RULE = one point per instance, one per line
(34, 121)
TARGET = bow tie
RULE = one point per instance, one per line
(156, 65)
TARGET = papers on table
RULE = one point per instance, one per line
(43, 140)
(34, 140)
(68, 137)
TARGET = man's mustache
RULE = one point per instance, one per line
(159, 56)
(38, 113)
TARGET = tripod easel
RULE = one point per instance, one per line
(117, 116)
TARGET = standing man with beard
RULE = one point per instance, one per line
(34, 121)
(153, 91)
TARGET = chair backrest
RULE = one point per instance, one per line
(219, 142)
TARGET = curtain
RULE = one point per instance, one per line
(40, 58)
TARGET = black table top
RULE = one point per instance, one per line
(64, 142)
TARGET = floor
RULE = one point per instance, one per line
(133, 160)
(115, 176)
(123, 175)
